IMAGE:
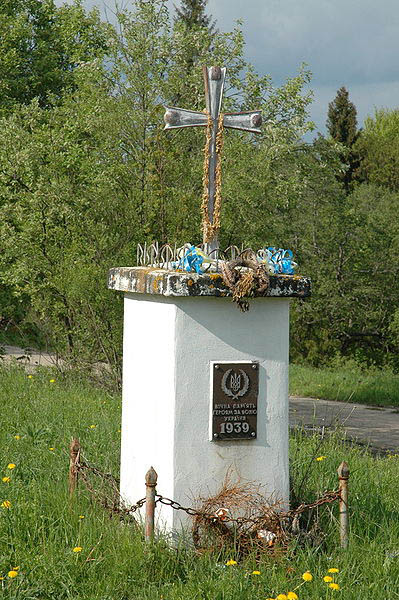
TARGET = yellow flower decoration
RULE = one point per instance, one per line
(292, 596)
(12, 574)
(231, 563)
(11, 466)
(320, 458)
(255, 572)
(77, 549)
(333, 570)
(17, 437)
(307, 576)
(327, 579)
(6, 504)
(334, 586)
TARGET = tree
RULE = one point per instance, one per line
(192, 14)
(41, 45)
(86, 179)
(342, 119)
(342, 127)
(378, 148)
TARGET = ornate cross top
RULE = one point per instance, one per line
(176, 118)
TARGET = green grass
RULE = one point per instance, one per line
(40, 530)
(346, 384)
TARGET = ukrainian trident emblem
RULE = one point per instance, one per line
(235, 384)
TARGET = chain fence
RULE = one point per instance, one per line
(238, 515)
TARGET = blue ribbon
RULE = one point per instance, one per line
(191, 261)
(281, 261)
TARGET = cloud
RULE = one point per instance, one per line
(344, 42)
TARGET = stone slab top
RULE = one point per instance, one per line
(156, 281)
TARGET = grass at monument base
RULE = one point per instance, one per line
(41, 529)
(346, 382)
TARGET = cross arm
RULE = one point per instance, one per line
(246, 121)
(179, 117)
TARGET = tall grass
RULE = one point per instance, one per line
(346, 383)
(41, 529)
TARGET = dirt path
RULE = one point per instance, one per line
(29, 357)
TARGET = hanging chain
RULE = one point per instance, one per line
(327, 498)
(113, 502)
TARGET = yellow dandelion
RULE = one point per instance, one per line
(307, 576)
(30, 376)
(333, 570)
(93, 426)
(292, 596)
(52, 380)
(255, 572)
(11, 466)
(16, 568)
(327, 579)
(1, 578)
(334, 586)
(231, 563)
(77, 549)
(320, 458)
(6, 504)
(281, 597)
(12, 574)
(17, 437)
(6, 479)
(51, 449)
(81, 516)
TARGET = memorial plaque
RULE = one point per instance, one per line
(235, 389)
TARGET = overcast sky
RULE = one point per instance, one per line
(344, 42)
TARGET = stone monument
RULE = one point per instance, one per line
(205, 387)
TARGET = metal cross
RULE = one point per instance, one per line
(176, 118)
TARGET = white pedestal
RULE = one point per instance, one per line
(169, 345)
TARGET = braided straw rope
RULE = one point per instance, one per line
(210, 229)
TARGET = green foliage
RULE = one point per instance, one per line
(342, 127)
(40, 47)
(350, 249)
(87, 172)
(342, 121)
(82, 183)
(378, 147)
(192, 14)
(40, 530)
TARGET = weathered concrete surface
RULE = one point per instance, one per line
(377, 427)
(149, 280)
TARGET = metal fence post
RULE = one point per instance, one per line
(151, 479)
(74, 455)
(343, 477)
